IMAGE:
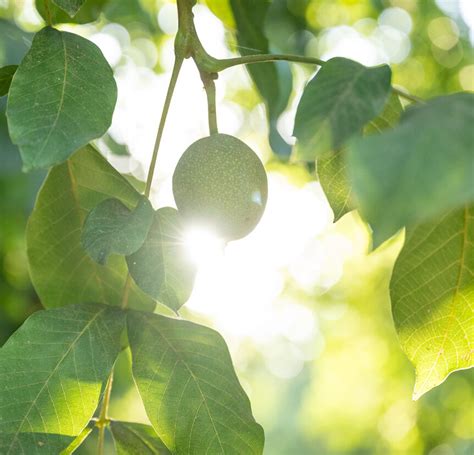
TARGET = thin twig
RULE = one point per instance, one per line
(103, 418)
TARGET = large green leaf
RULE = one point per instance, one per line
(53, 371)
(6, 75)
(432, 292)
(332, 169)
(191, 393)
(34, 443)
(61, 97)
(418, 170)
(336, 104)
(161, 267)
(61, 270)
(89, 12)
(135, 438)
(70, 6)
(273, 81)
(112, 227)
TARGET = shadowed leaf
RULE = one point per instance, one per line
(112, 228)
(336, 104)
(418, 170)
(6, 76)
(135, 438)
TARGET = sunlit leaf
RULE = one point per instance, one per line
(161, 267)
(34, 443)
(418, 170)
(336, 104)
(112, 227)
(135, 438)
(432, 294)
(53, 370)
(62, 96)
(6, 75)
(70, 6)
(273, 81)
(61, 270)
(191, 393)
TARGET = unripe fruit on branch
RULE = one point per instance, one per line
(221, 183)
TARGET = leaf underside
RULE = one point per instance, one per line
(56, 104)
(53, 370)
(336, 104)
(191, 394)
(61, 270)
(432, 293)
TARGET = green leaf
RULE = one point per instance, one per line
(161, 267)
(70, 6)
(332, 169)
(77, 442)
(57, 104)
(6, 76)
(131, 14)
(222, 10)
(89, 12)
(53, 371)
(418, 170)
(191, 393)
(388, 118)
(333, 179)
(61, 270)
(112, 228)
(135, 438)
(274, 82)
(336, 104)
(34, 443)
(432, 293)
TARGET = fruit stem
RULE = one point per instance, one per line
(169, 95)
(210, 87)
(103, 420)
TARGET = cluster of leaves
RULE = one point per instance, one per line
(91, 229)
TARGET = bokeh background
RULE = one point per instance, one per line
(303, 306)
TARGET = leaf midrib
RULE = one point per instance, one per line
(33, 403)
(61, 100)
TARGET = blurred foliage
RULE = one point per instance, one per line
(353, 395)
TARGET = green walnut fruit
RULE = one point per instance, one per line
(221, 183)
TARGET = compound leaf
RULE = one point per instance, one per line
(191, 393)
(432, 292)
(422, 168)
(273, 81)
(135, 438)
(53, 371)
(112, 227)
(336, 104)
(70, 6)
(56, 103)
(6, 76)
(161, 267)
(61, 270)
